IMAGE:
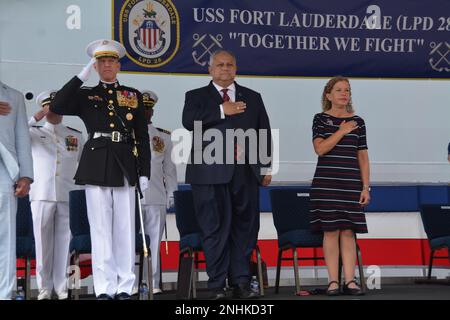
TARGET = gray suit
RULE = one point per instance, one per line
(15, 162)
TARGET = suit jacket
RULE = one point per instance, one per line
(15, 146)
(104, 162)
(203, 105)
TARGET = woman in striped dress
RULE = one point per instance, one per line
(340, 188)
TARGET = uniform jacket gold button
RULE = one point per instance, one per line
(111, 113)
(111, 125)
(111, 102)
(110, 91)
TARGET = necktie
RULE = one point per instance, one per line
(237, 148)
(225, 96)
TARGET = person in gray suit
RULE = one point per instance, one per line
(16, 175)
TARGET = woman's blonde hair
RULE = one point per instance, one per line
(326, 104)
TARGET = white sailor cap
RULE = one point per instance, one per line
(45, 97)
(105, 48)
(150, 98)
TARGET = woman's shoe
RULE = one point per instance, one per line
(333, 292)
(352, 291)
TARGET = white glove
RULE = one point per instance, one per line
(84, 74)
(143, 183)
(170, 202)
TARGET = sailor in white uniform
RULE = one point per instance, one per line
(56, 150)
(163, 182)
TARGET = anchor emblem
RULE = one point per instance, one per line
(439, 65)
(215, 41)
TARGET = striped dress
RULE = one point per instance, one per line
(336, 187)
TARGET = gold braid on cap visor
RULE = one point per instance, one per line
(45, 102)
(149, 104)
(102, 54)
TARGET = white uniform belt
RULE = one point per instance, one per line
(115, 136)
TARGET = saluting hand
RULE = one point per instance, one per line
(231, 108)
(347, 127)
(41, 113)
(86, 71)
(5, 108)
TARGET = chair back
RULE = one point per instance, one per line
(185, 212)
(79, 223)
(436, 220)
(25, 246)
(290, 209)
(24, 220)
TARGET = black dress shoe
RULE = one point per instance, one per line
(104, 296)
(123, 296)
(333, 292)
(218, 294)
(352, 291)
(243, 291)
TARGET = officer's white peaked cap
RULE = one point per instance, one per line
(45, 97)
(105, 48)
(150, 94)
(149, 97)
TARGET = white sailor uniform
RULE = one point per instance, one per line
(163, 182)
(56, 150)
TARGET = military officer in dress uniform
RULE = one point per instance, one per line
(115, 158)
(163, 182)
(16, 175)
(56, 150)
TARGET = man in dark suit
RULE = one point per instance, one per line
(118, 145)
(225, 174)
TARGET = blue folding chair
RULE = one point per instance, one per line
(436, 222)
(290, 212)
(81, 237)
(25, 246)
(190, 240)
